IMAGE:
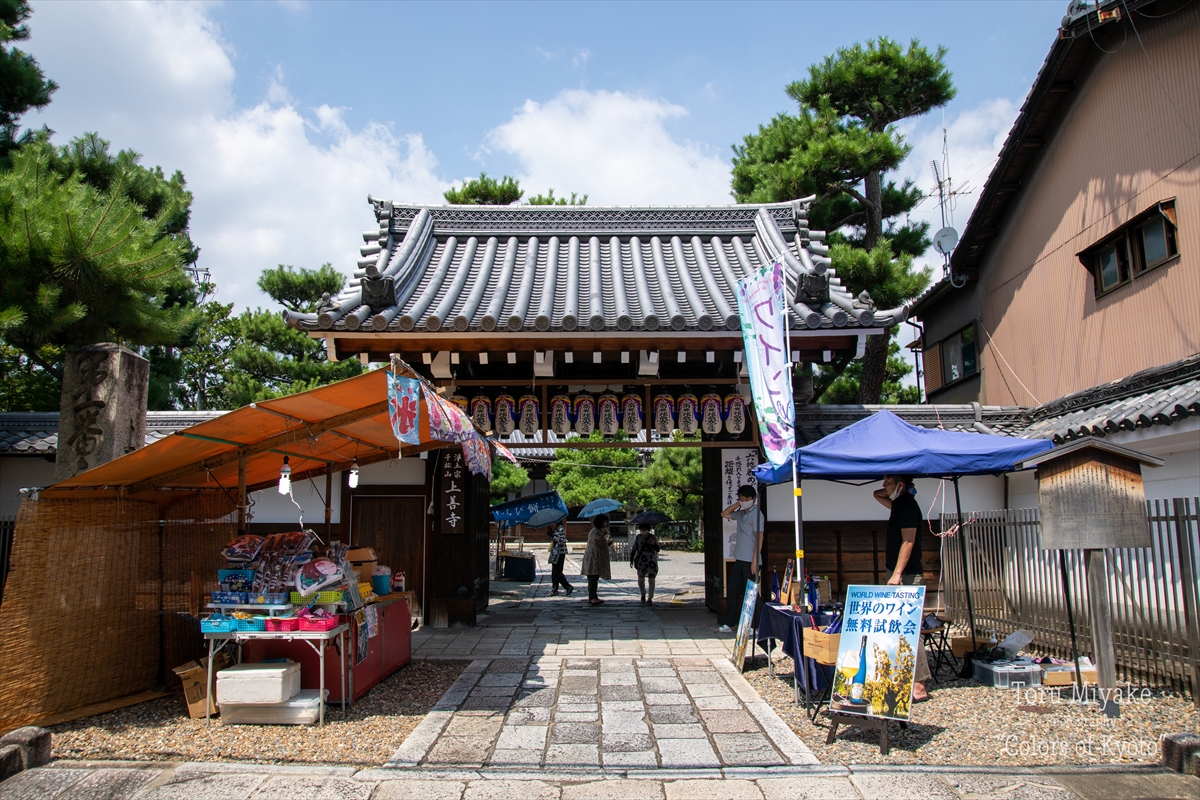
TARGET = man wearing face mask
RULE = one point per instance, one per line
(747, 553)
(903, 556)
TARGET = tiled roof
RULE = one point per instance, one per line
(36, 433)
(817, 422)
(566, 268)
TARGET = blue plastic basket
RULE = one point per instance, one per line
(252, 624)
(229, 598)
(218, 624)
(269, 599)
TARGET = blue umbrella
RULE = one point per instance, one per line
(547, 516)
(601, 506)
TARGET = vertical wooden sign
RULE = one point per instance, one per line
(451, 507)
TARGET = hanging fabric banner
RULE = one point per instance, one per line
(560, 415)
(664, 414)
(585, 414)
(710, 413)
(735, 414)
(447, 423)
(531, 420)
(478, 456)
(506, 415)
(689, 413)
(504, 452)
(631, 415)
(481, 412)
(404, 408)
(760, 306)
(608, 413)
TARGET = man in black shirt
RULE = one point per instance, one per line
(903, 556)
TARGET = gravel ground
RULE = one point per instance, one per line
(367, 734)
(965, 723)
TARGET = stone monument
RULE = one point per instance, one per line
(102, 415)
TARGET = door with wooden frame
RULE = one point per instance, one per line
(395, 526)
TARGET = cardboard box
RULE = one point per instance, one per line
(195, 691)
(1064, 675)
(961, 645)
(363, 560)
(821, 646)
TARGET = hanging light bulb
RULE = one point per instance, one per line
(285, 477)
(354, 474)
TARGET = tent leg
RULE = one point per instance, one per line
(962, 546)
(1066, 580)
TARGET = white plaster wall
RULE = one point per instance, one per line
(271, 506)
(396, 471)
(833, 502)
(21, 472)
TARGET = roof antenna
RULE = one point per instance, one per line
(945, 240)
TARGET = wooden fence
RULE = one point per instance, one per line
(1153, 590)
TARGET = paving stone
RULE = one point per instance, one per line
(701, 676)
(529, 716)
(619, 789)
(722, 703)
(652, 663)
(289, 787)
(37, 784)
(656, 672)
(646, 759)
(808, 788)
(514, 737)
(729, 722)
(573, 707)
(493, 691)
(12, 761)
(111, 784)
(679, 714)
(460, 750)
(625, 742)
(582, 663)
(501, 679)
(574, 733)
(884, 786)
(746, 749)
(419, 790)
(709, 690)
(508, 665)
(712, 790)
(624, 722)
(496, 704)
(474, 725)
(536, 697)
(576, 716)
(574, 684)
(672, 699)
(193, 786)
(34, 743)
(627, 692)
(677, 753)
(566, 755)
(516, 758)
(1009, 787)
(623, 705)
(672, 731)
(506, 790)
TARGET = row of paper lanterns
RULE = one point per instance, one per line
(608, 413)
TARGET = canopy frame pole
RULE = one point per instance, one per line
(329, 504)
(962, 547)
(241, 495)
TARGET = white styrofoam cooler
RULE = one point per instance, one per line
(1008, 675)
(258, 684)
(303, 709)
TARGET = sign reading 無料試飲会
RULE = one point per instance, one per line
(737, 469)
(877, 654)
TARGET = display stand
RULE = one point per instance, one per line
(863, 721)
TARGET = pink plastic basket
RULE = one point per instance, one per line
(279, 624)
(318, 623)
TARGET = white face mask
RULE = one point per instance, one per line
(747, 505)
(896, 492)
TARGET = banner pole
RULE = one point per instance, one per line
(797, 490)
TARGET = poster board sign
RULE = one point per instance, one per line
(737, 469)
(745, 621)
(877, 656)
(785, 588)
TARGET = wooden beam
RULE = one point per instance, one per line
(265, 445)
(517, 446)
(647, 382)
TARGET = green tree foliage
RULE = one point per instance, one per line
(582, 476)
(673, 483)
(549, 199)
(838, 147)
(22, 84)
(206, 364)
(485, 191)
(25, 385)
(507, 478)
(271, 359)
(838, 385)
(80, 266)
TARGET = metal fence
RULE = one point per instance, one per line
(1152, 590)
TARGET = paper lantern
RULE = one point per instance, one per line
(608, 414)
(735, 414)
(481, 411)
(710, 413)
(530, 419)
(585, 414)
(560, 415)
(664, 414)
(689, 413)
(631, 415)
(506, 415)
(459, 401)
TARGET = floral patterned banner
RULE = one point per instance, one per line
(504, 452)
(478, 456)
(404, 408)
(760, 306)
(447, 422)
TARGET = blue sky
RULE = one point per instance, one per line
(284, 115)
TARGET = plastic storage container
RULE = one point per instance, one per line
(257, 684)
(303, 709)
(1008, 674)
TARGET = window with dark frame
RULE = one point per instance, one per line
(1142, 244)
(959, 356)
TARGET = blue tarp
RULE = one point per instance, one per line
(520, 510)
(884, 444)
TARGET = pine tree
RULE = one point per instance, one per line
(22, 84)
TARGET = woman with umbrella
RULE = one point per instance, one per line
(595, 558)
(644, 555)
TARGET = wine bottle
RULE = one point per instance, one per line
(858, 687)
(774, 585)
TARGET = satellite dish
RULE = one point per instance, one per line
(944, 240)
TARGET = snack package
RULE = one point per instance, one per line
(244, 548)
(316, 575)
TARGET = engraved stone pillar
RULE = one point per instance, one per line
(103, 410)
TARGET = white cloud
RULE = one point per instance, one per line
(613, 146)
(273, 183)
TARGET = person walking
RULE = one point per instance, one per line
(596, 562)
(558, 556)
(747, 553)
(644, 558)
(903, 557)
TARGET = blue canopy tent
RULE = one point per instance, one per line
(883, 444)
